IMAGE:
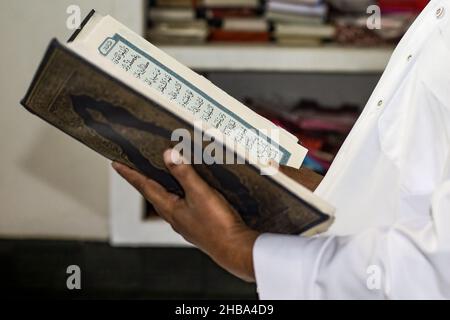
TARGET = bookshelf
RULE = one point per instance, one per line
(272, 58)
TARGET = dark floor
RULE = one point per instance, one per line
(37, 269)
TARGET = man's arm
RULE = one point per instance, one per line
(407, 260)
(204, 217)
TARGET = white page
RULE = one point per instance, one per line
(104, 39)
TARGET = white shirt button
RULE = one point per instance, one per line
(380, 103)
(440, 12)
(410, 57)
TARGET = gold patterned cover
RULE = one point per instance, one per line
(122, 125)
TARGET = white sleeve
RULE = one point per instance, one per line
(408, 260)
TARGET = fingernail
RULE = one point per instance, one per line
(172, 156)
(115, 165)
(273, 163)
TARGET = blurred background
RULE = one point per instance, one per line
(308, 65)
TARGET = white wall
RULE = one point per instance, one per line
(50, 185)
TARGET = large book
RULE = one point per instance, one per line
(124, 98)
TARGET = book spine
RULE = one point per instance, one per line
(83, 23)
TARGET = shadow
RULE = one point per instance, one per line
(69, 167)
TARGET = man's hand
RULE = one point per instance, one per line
(203, 217)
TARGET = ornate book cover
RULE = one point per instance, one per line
(121, 124)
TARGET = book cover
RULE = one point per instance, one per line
(119, 121)
(122, 125)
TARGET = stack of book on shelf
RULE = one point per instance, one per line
(175, 22)
(321, 129)
(299, 22)
(354, 26)
(286, 22)
(235, 21)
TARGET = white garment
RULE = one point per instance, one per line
(390, 184)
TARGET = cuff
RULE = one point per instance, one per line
(285, 266)
(441, 214)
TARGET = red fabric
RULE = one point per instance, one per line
(402, 5)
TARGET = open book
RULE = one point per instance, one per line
(123, 97)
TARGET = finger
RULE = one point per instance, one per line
(185, 173)
(161, 199)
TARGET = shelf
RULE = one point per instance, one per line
(267, 58)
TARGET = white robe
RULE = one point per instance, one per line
(390, 184)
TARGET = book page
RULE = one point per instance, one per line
(122, 49)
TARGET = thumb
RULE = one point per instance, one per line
(185, 173)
